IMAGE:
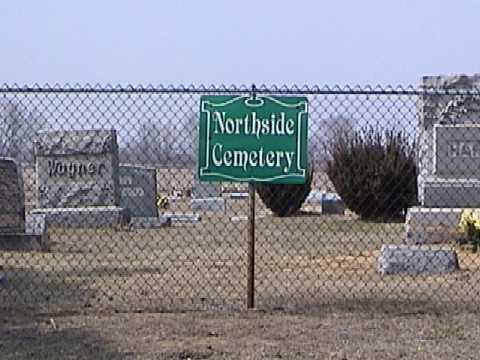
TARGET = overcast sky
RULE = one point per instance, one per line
(241, 42)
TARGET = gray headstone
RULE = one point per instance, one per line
(332, 204)
(12, 198)
(445, 122)
(448, 157)
(77, 169)
(413, 260)
(138, 187)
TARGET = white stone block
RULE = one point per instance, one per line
(413, 260)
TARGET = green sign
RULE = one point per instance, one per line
(261, 139)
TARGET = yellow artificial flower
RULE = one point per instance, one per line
(469, 225)
(470, 217)
(476, 214)
(465, 219)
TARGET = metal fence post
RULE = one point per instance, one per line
(251, 239)
(251, 248)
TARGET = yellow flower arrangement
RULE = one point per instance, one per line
(469, 225)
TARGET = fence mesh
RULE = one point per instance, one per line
(109, 185)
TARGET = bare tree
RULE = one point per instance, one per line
(321, 132)
(166, 143)
(188, 134)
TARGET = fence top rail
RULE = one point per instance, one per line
(240, 90)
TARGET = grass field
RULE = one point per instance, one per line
(304, 260)
(137, 294)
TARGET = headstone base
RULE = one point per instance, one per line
(413, 260)
(36, 224)
(87, 217)
(451, 193)
(216, 204)
(21, 242)
(432, 225)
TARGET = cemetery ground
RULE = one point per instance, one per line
(319, 333)
(179, 293)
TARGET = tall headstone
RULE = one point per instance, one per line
(12, 200)
(448, 157)
(138, 187)
(13, 234)
(77, 169)
(77, 177)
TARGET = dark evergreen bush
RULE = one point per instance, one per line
(374, 172)
(285, 199)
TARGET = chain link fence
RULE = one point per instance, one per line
(109, 187)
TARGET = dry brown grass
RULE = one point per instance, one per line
(300, 261)
(324, 333)
(320, 270)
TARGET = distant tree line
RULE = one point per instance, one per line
(163, 144)
(157, 142)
